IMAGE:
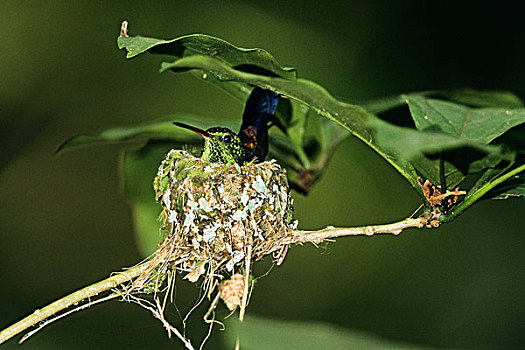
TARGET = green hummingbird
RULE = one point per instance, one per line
(221, 145)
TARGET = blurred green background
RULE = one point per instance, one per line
(64, 222)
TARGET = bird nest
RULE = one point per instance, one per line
(217, 218)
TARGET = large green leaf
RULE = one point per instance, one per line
(263, 333)
(482, 125)
(412, 143)
(231, 56)
(478, 98)
(251, 60)
(478, 124)
(457, 112)
(474, 156)
(465, 96)
(162, 129)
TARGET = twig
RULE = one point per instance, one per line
(247, 267)
(64, 314)
(71, 299)
(244, 301)
(155, 309)
(319, 236)
(124, 29)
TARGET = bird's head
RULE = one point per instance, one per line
(220, 145)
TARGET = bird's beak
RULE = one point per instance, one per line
(194, 129)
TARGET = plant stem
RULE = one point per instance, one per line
(71, 299)
(471, 199)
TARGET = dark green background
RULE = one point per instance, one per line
(64, 222)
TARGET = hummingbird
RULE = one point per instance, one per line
(222, 145)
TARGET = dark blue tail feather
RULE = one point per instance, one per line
(259, 110)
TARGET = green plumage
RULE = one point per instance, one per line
(224, 146)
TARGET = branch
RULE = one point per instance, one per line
(298, 237)
(316, 237)
(71, 299)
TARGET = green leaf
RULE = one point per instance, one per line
(250, 60)
(482, 125)
(162, 129)
(263, 333)
(479, 98)
(383, 104)
(295, 130)
(412, 143)
(465, 96)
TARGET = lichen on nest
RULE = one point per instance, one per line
(213, 212)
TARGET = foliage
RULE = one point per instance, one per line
(463, 137)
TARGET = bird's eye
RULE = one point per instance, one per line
(226, 139)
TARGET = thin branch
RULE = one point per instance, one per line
(247, 268)
(155, 309)
(64, 314)
(319, 236)
(71, 299)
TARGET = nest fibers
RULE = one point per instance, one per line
(217, 218)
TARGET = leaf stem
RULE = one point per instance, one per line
(472, 198)
(303, 158)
